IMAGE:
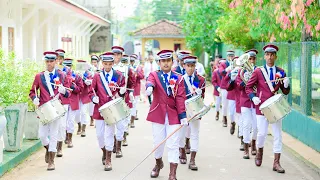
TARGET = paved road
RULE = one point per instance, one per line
(219, 158)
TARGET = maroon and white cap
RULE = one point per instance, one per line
(230, 53)
(107, 57)
(252, 52)
(117, 49)
(165, 54)
(182, 54)
(50, 55)
(270, 48)
(124, 58)
(94, 57)
(68, 61)
(81, 61)
(236, 57)
(60, 52)
(190, 59)
(133, 57)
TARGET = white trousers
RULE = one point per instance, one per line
(249, 124)
(194, 127)
(49, 135)
(134, 106)
(91, 108)
(71, 119)
(105, 133)
(224, 102)
(63, 125)
(239, 121)
(126, 123)
(263, 124)
(160, 132)
(232, 109)
(218, 103)
(81, 116)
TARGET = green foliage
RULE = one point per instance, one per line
(16, 79)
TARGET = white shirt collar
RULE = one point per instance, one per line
(53, 72)
(268, 67)
(110, 73)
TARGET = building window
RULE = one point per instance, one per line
(0, 37)
(10, 39)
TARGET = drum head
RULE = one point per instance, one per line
(108, 104)
(270, 100)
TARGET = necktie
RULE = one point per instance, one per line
(183, 71)
(51, 79)
(167, 83)
(271, 76)
(107, 78)
(190, 79)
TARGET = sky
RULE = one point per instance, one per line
(123, 8)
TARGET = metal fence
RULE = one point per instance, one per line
(301, 61)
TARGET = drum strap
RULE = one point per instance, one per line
(46, 76)
(188, 83)
(105, 84)
(266, 77)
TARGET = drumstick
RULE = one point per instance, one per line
(260, 95)
(94, 92)
(35, 91)
(279, 79)
(154, 149)
(61, 86)
(199, 88)
(120, 87)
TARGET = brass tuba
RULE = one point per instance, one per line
(247, 68)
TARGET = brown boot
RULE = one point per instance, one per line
(59, 149)
(132, 122)
(217, 116)
(246, 151)
(187, 147)
(224, 121)
(258, 159)
(70, 145)
(192, 164)
(46, 157)
(83, 132)
(104, 155)
(241, 145)
(118, 152)
(67, 138)
(253, 147)
(124, 142)
(183, 156)
(108, 165)
(91, 121)
(156, 170)
(232, 128)
(79, 129)
(173, 171)
(51, 165)
(136, 116)
(276, 164)
(114, 145)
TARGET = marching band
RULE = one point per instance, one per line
(110, 96)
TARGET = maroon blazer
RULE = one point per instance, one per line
(216, 81)
(76, 86)
(65, 100)
(101, 92)
(231, 92)
(84, 93)
(173, 105)
(131, 85)
(245, 101)
(257, 79)
(40, 83)
(234, 87)
(139, 77)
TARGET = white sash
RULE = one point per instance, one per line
(186, 78)
(47, 77)
(267, 79)
(105, 84)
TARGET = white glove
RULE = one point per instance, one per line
(219, 90)
(36, 101)
(62, 90)
(256, 101)
(123, 90)
(184, 121)
(198, 91)
(286, 82)
(95, 99)
(131, 96)
(149, 91)
(88, 82)
(233, 75)
(228, 68)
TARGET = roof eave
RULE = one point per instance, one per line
(159, 36)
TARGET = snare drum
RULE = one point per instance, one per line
(275, 108)
(50, 111)
(194, 105)
(114, 111)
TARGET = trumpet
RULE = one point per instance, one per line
(247, 68)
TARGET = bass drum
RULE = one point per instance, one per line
(114, 111)
(50, 111)
(275, 108)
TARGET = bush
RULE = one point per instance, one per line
(16, 78)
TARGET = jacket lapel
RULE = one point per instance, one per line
(161, 81)
(43, 81)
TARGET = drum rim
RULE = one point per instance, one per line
(262, 106)
(115, 101)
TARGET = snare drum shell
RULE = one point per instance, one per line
(275, 108)
(50, 111)
(114, 111)
(194, 105)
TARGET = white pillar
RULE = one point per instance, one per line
(34, 36)
(18, 42)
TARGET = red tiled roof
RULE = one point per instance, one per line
(162, 28)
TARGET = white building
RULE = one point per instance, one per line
(30, 27)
